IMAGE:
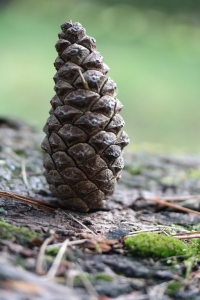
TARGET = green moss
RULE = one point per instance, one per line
(194, 245)
(20, 152)
(52, 251)
(167, 180)
(134, 170)
(194, 174)
(196, 227)
(49, 259)
(19, 235)
(102, 276)
(173, 287)
(78, 281)
(155, 245)
(20, 261)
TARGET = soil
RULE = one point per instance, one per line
(100, 267)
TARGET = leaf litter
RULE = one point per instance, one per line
(92, 244)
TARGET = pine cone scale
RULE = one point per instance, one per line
(83, 152)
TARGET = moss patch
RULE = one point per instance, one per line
(173, 287)
(52, 251)
(94, 279)
(19, 235)
(194, 245)
(155, 245)
(102, 276)
(194, 174)
(134, 170)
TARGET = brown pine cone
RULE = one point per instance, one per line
(83, 152)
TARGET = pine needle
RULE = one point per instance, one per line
(79, 222)
(27, 200)
(159, 200)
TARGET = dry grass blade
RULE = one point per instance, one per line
(24, 175)
(79, 222)
(52, 271)
(167, 230)
(157, 292)
(132, 233)
(27, 200)
(189, 235)
(89, 287)
(159, 200)
(85, 84)
(39, 269)
(71, 275)
(181, 198)
(72, 243)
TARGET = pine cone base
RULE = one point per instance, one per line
(83, 151)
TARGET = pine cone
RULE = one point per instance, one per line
(83, 154)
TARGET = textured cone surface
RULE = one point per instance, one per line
(83, 146)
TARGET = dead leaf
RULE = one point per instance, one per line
(99, 242)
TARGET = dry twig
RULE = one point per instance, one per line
(39, 268)
(72, 243)
(52, 271)
(189, 235)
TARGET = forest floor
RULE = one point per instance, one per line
(94, 264)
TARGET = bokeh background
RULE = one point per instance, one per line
(152, 48)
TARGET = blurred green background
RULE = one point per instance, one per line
(152, 48)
